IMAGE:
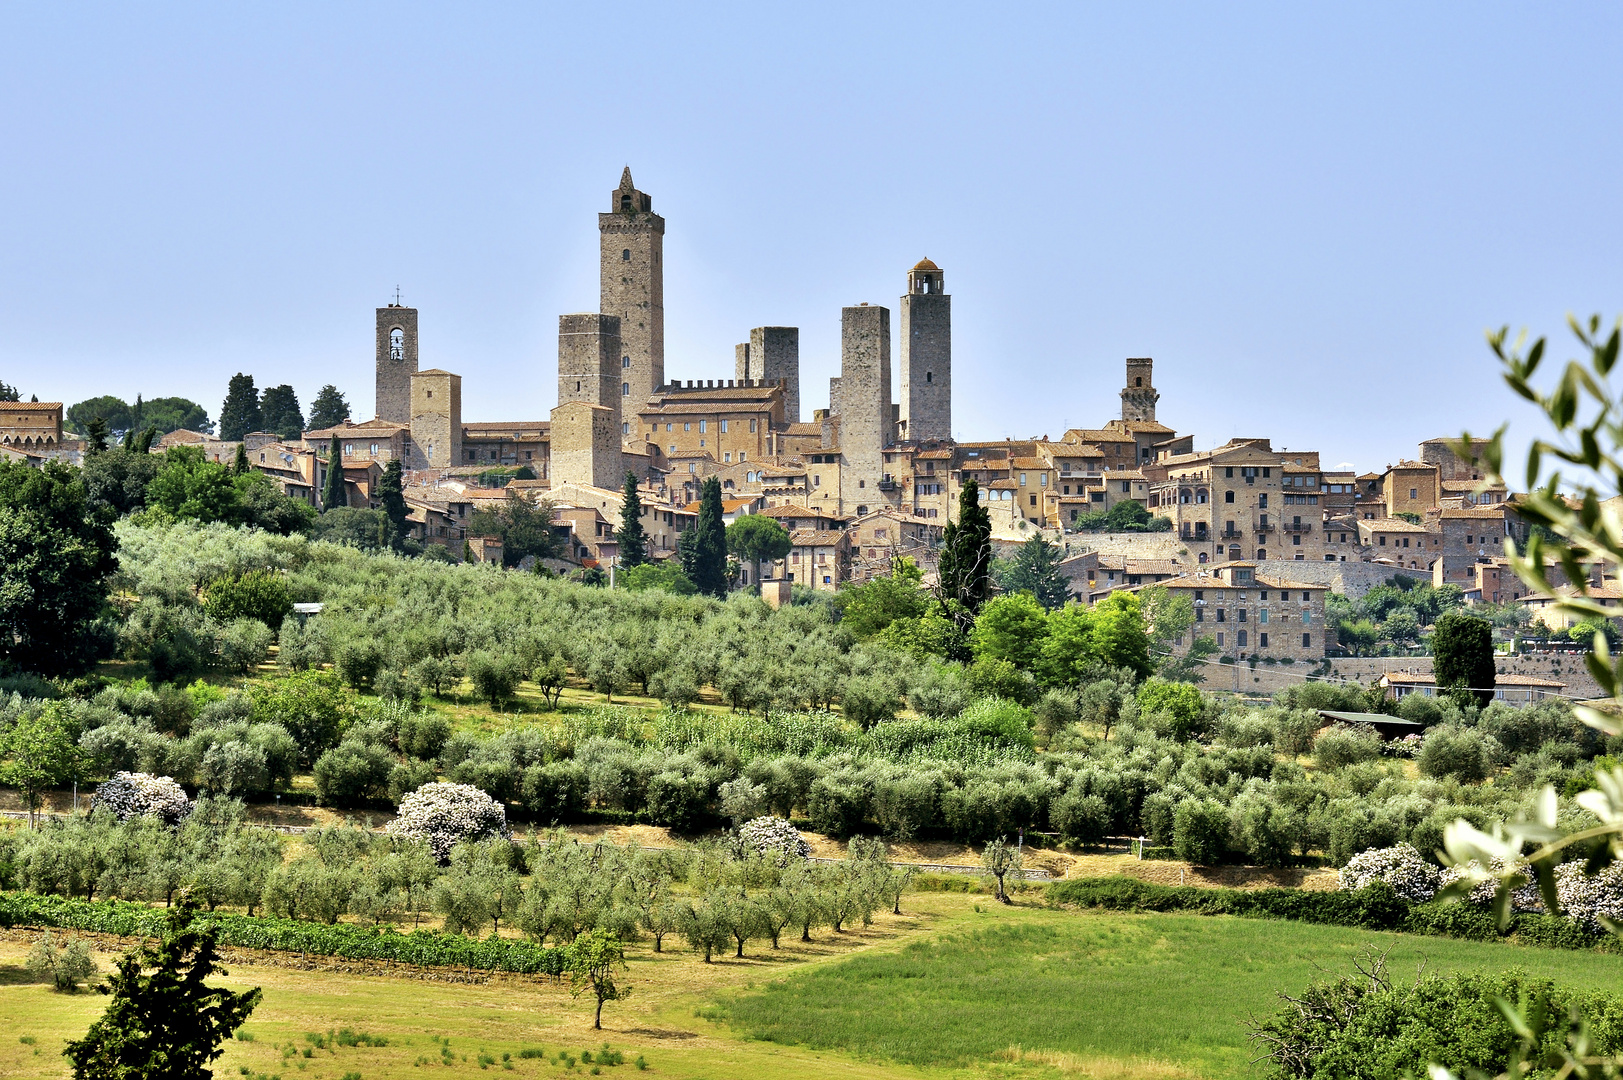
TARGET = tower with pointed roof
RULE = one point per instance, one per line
(926, 360)
(632, 284)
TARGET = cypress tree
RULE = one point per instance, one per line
(1462, 654)
(239, 465)
(391, 494)
(333, 493)
(240, 414)
(704, 547)
(329, 409)
(631, 536)
(966, 551)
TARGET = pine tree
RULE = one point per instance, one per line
(632, 538)
(1036, 570)
(239, 465)
(391, 494)
(966, 551)
(333, 493)
(279, 409)
(703, 548)
(329, 409)
(240, 414)
(169, 1023)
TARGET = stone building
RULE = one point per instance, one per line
(632, 286)
(1411, 487)
(867, 423)
(396, 363)
(1413, 547)
(731, 421)
(586, 446)
(1249, 613)
(1450, 466)
(926, 357)
(436, 420)
(1231, 502)
(33, 427)
(1138, 395)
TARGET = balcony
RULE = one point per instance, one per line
(887, 484)
(1299, 527)
(1231, 533)
(1262, 528)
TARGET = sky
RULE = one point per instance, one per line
(1307, 214)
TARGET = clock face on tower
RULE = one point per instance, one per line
(397, 344)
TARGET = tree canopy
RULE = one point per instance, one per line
(631, 537)
(329, 409)
(758, 539)
(280, 412)
(241, 412)
(1035, 569)
(703, 548)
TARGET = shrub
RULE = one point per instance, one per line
(1457, 752)
(352, 772)
(66, 965)
(494, 677)
(1341, 745)
(1401, 867)
(555, 791)
(444, 815)
(1175, 707)
(357, 662)
(1588, 900)
(869, 700)
(676, 800)
(1200, 831)
(775, 837)
(990, 677)
(258, 594)
(1082, 818)
(309, 704)
(837, 804)
(129, 795)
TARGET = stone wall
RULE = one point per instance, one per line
(774, 353)
(586, 446)
(632, 287)
(393, 400)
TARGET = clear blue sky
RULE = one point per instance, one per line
(1306, 216)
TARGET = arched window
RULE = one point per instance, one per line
(625, 361)
(625, 256)
(625, 389)
(397, 344)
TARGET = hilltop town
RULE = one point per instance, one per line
(874, 476)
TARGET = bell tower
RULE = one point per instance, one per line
(1139, 396)
(396, 362)
(632, 288)
(926, 342)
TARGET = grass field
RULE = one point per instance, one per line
(943, 991)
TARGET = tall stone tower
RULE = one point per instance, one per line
(436, 420)
(1139, 396)
(926, 389)
(397, 363)
(866, 427)
(590, 360)
(773, 353)
(585, 446)
(632, 280)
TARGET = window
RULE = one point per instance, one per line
(1228, 496)
(1262, 500)
(625, 429)
(1383, 541)
(728, 458)
(1297, 539)
(1220, 639)
(673, 448)
(1262, 615)
(1042, 479)
(1262, 641)
(704, 426)
(1239, 639)
(1126, 487)
(1228, 472)
(1220, 615)
(1200, 614)
(667, 427)
(687, 425)
(752, 427)
(625, 389)
(1033, 500)
(1242, 614)
(929, 377)
(1307, 641)
(1022, 479)
(1262, 554)
(625, 256)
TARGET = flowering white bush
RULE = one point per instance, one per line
(1525, 898)
(1406, 747)
(1401, 867)
(773, 835)
(1587, 900)
(446, 814)
(130, 795)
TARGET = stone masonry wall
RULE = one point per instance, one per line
(926, 361)
(865, 412)
(774, 353)
(436, 421)
(589, 361)
(632, 287)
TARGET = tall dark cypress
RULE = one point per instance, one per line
(240, 414)
(966, 552)
(391, 494)
(632, 538)
(332, 494)
(704, 547)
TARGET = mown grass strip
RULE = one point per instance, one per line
(424, 948)
(1375, 907)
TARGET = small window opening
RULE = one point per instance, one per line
(625, 256)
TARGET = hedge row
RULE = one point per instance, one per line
(1375, 907)
(420, 947)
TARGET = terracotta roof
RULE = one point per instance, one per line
(714, 393)
(369, 427)
(803, 429)
(1030, 463)
(925, 264)
(730, 505)
(933, 455)
(29, 406)
(816, 538)
(1481, 513)
(1152, 426)
(1395, 525)
(790, 510)
(541, 426)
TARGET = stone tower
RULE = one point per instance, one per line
(590, 362)
(632, 279)
(773, 353)
(436, 420)
(585, 446)
(865, 413)
(397, 363)
(1139, 396)
(926, 389)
